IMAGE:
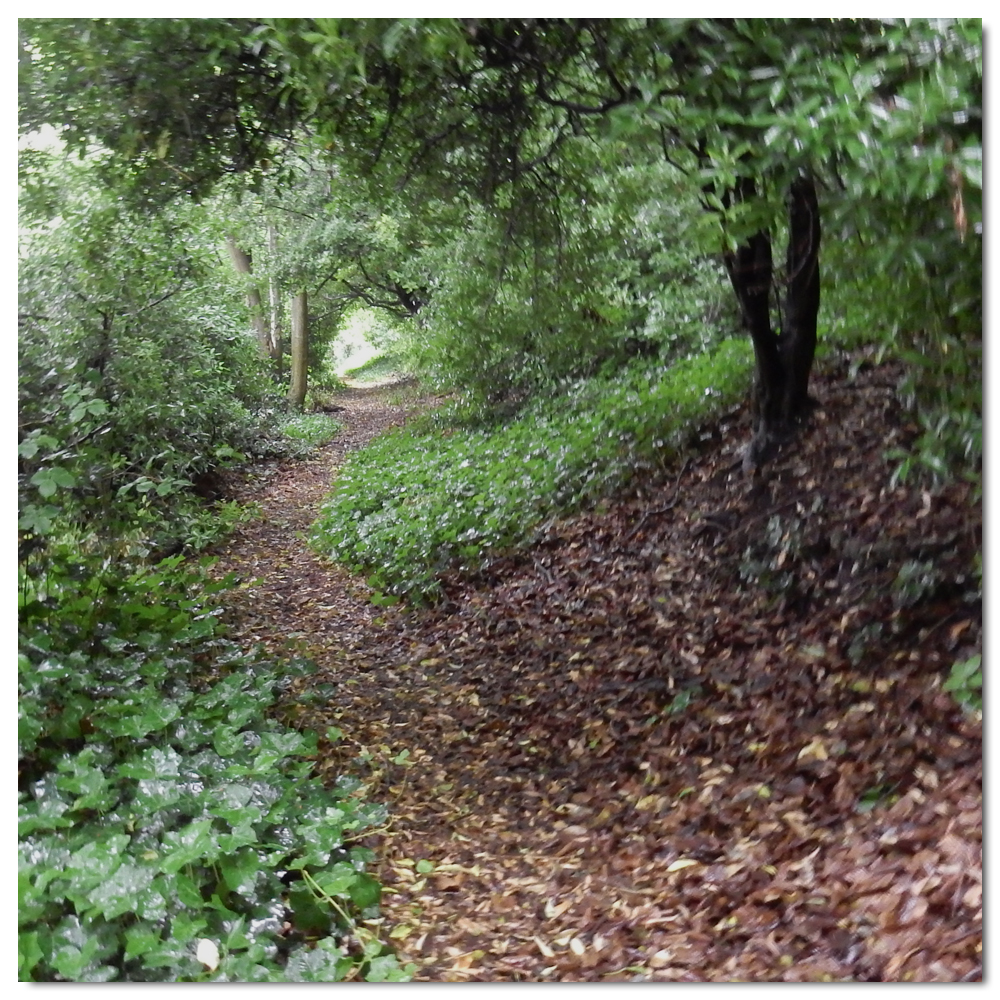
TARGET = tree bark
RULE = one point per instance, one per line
(300, 350)
(801, 305)
(274, 293)
(783, 358)
(243, 263)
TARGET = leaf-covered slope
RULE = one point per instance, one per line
(697, 734)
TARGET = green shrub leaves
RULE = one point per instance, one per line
(162, 818)
(417, 501)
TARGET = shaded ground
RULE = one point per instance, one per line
(696, 734)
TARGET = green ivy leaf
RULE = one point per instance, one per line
(120, 893)
(156, 714)
(239, 870)
(194, 843)
(275, 747)
(51, 479)
(338, 880)
(326, 963)
(141, 939)
(365, 891)
(29, 954)
(386, 969)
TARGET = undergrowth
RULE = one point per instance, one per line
(168, 829)
(383, 366)
(311, 428)
(455, 488)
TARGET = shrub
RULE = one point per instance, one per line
(421, 499)
(168, 830)
(311, 428)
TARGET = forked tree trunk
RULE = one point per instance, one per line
(783, 358)
(243, 263)
(300, 350)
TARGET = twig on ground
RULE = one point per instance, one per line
(661, 510)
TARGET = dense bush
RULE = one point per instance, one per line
(514, 308)
(914, 292)
(420, 499)
(135, 374)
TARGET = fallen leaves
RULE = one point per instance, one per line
(628, 762)
(680, 864)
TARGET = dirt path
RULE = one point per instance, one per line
(303, 598)
(815, 814)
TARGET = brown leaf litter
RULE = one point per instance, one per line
(690, 741)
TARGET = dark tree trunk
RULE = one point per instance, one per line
(801, 305)
(783, 358)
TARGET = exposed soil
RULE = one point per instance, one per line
(696, 734)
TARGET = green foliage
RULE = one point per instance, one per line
(517, 305)
(384, 366)
(944, 389)
(965, 683)
(191, 111)
(163, 818)
(419, 500)
(135, 378)
(312, 428)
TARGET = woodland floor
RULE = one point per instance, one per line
(674, 739)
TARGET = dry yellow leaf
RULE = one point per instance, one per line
(543, 947)
(676, 866)
(462, 962)
(796, 824)
(814, 749)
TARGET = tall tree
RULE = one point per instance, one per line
(274, 297)
(300, 349)
(243, 262)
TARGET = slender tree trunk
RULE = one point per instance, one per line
(300, 350)
(783, 359)
(275, 298)
(243, 263)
